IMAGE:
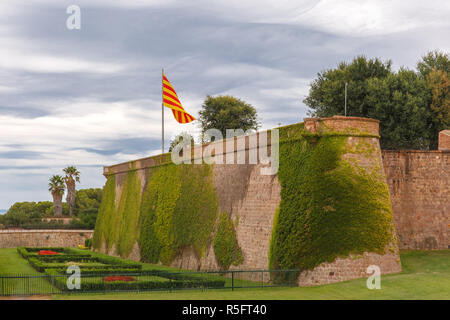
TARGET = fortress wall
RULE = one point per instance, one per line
(366, 136)
(43, 238)
(419, 184)
(252, 200)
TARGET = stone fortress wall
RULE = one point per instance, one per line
(254, 198)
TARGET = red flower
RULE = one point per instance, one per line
(119, 278)
(46, 252)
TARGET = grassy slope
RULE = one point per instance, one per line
(11, 263)
(426, 275)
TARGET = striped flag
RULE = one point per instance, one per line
(170, 100)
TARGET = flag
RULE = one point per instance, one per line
(170, 100)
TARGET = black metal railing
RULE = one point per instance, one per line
(144, 281)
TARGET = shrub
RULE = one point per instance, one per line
(226, 247)
(88, 243)
(92, 283)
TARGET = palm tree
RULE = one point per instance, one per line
(71, 178)
(56, 187)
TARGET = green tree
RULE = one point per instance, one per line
(21, 213)
(182, 137)
(400, 101)
(227, 112)
(87, 199)
(57, 188)
(436, 60)
(72, 176)
(87, 204)
(439, 86)
(411, 106)
(435, 68)
(327, 92)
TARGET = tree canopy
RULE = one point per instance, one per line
(29, 214)
(179, 138)
(412, 106)
(23, 212)
(227, 112)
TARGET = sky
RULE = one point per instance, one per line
(92, 97)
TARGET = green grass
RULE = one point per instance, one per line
(11, 263)
(426, 275)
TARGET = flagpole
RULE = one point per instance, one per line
(162, 111)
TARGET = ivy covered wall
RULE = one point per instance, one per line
(117, 225)
(330, 205)
(179, 210)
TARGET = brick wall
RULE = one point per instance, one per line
(43, 238)
(419, 184)
(444, 140)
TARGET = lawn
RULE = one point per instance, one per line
(11, 263)
(426, 275)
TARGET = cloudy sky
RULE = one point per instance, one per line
(91, 97)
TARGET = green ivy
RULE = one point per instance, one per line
(103, 229)
(117, 226)
(226, 247)
(128, 215)
(329, 208)
(179, 208)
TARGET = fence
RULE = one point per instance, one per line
(14, 285)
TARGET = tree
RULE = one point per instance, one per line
(436, 60)
(72, 176)
(327, 92)
(182, 137)
(57, 188)
(439, 85)
(87, 199)
(402, 100)
(21, 213)
(227, 112)
(435, 69)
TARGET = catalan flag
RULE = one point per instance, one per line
(170, 100)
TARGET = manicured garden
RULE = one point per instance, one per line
(101, 272)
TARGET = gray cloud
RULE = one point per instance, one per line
(20, 155)
(91, 97)
(127, 146)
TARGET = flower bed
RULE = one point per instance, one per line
(119, 278)
(101, 273)
(47, 252)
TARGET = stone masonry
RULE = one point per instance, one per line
(419, 184)
(253, 199)
(43, 238)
